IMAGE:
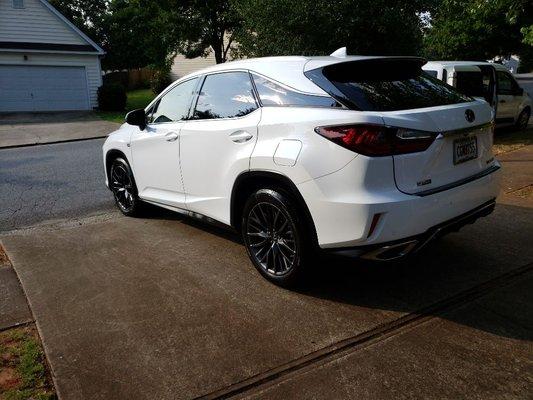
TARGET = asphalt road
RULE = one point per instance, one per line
(47, 182)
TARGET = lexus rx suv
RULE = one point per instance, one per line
(360, 156)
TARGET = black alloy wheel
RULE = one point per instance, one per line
(122, 185)
(272, 233)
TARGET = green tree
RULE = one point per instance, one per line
(527, 31)
(317, 27)
(146, 32)
(204, 26)
(138, 33)
(479, 29)
(134, 33)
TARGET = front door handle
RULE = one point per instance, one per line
(240, 136)
(171, 136)
(502, 101)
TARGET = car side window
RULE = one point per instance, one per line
(225, 95)
(273, 94)
(174, 105)
(506, 84)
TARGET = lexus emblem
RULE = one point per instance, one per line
(470, 116)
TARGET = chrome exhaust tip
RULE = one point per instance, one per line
(391, 252)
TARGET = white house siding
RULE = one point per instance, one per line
(183, 66)
(90, 62)
(35, 23)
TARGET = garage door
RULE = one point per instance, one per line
(39, 88)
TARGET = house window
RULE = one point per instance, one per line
(18, 3)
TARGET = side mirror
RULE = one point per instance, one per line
(137, 118)
(519, 92)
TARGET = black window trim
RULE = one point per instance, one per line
(258, 98)
(198, 90)
(157, 100)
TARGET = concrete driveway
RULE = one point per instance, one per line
(23, 129)
(167, 308)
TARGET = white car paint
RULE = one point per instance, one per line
(343, 190)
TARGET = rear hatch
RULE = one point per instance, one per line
(416, 103)
(460, 150)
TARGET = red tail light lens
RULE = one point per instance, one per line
(376, 140)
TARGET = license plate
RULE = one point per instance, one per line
(464, 149)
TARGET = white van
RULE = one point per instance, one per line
(491, 81)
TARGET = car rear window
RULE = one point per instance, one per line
(384, 85)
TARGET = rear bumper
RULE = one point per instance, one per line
(401, 248)
(344, 205)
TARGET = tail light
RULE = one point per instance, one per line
(377, 140)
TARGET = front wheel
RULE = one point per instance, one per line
(122, 185)
(274, 237)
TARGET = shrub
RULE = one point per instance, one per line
(112, 97)
(160, 80)
(120, 77)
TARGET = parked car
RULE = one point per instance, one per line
(490, 81)
(360, 156)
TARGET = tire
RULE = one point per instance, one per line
(275, 237)
(523, 119)
(122, 184)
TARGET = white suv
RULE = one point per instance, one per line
(362, 156)
(490, 81)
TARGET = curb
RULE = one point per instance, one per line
(14, 146)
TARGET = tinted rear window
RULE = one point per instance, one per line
(385, 85)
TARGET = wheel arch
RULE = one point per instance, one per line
(111, 155)
(250, 181)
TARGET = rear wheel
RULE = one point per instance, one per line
(523, 119)
(122, 185)
(274, 236)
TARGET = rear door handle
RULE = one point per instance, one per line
(240, 136)
(171, 136)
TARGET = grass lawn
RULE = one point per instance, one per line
(136, 99)
(508, 139)
(23, 373)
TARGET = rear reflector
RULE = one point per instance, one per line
(377, 140)
(373, 225)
